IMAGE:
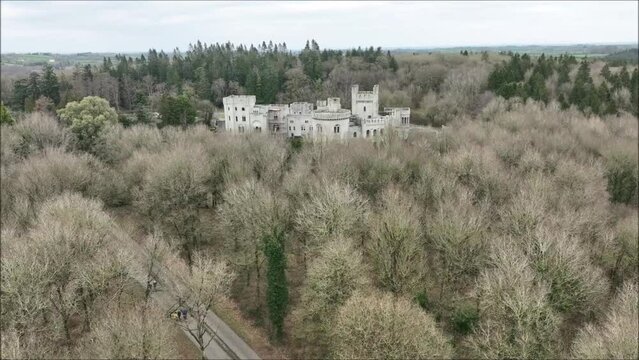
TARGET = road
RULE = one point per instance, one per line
(226, 344)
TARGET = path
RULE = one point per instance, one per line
(226, 343)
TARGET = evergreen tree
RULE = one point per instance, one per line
(608, 105)
(202, 85)
(177, 110)
(582, 93)
(49, 86)
(624, 77)
(605, 72)
(563, 73)
(20, 94)
(277, 285)
(536, 87)
(392, 63)
(634, 92)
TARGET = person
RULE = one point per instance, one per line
(153, 284)
(183, 313)
(174, 315)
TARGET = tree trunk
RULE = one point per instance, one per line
(257, 277)
(65, 318)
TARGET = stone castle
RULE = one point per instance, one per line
(326, 120)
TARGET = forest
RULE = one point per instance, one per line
(506, 229)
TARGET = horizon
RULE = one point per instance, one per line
(350, 48)
(40, 27)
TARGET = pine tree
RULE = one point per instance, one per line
(605, 72)
(624, 77)
(583, 89)
(608, 105)
(634, 92)
(49, 85)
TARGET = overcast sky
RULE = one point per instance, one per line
(131, 26)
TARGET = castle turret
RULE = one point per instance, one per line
(365, 104)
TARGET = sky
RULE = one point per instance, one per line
(131, 26)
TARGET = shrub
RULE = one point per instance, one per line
(464, 319)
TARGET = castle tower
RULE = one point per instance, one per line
(365, 104)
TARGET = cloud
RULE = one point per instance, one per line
(78, 26)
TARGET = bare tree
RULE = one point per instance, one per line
(138, 332)
(336, 210)
(382, 326)
(395, 247)
(208, 283)
(516, 319)
(333, 276)
(616, 336)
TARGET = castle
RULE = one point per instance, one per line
(327, 120)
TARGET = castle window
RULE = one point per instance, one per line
(369, 116)
(303, 129)
(355, 134)
(375, 132)
(274, 117)
(236, 118)
(368, 133)
(336, 129)
(236, 108)
(243, 118)
(258, 129)
(365, 111)
(242, 109)
(229, 118)
(240, 129)
(319, 128)
(310, 128)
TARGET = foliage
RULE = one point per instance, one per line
(5, 116)
(277, 285)
(176, 111)
(622, 178)
(87, 118)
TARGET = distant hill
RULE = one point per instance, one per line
(591, 50)
(625, 56)
(57, 60)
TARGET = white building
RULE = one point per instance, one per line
(327, 120)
